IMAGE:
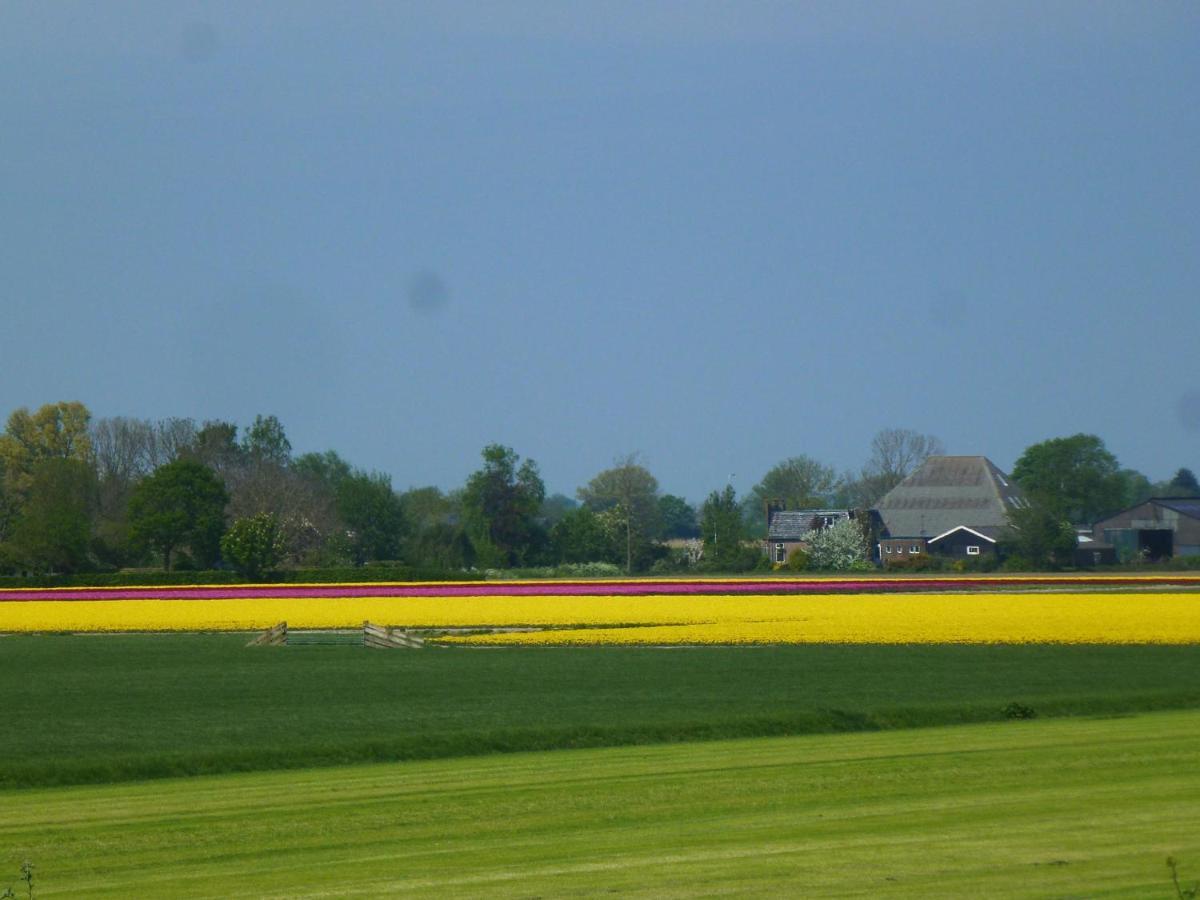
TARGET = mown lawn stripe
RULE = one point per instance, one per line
(1045, 808)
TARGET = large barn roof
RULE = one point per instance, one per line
(946, 492)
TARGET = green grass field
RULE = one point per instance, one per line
(113, 708)
(1048, 808)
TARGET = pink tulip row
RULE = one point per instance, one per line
(657, 587)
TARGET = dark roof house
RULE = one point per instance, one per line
(958, 505)
(788, 529)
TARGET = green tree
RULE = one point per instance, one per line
(1184, 484)
(1075, 477)
(555, 507)
(53, 532)
(180, 504)
(801, 482)
(721, 528)
(266, 440)
(253, 545)
(1040, 536)
(55, 431)
(216, 446)
(1135, 487)
(442, 546)
(373, 514)
(631, 492)
(584, 536)
(677, 517)
(501, 502)
(328, 468)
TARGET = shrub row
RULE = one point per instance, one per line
(221, 576)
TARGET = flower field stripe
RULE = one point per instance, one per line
(975, 617)
(631, 587)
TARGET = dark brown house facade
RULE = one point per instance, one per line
(1159, 528)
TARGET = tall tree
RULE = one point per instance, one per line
(373, 514)
(216, 446)
(677, 517)
(1075, 477)
(55, 431)
(721, 529)
(585, 536)
(632, 493)
(1184, 484)
(799, 481)
(54, 530)
(501, 502)
(181, 503)
(895, 454)
(266, 441)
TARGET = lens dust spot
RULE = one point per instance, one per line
(1188, 410)
(427, 292)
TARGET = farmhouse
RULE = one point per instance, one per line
(788, 529)
(954, 506)
(1159, 528)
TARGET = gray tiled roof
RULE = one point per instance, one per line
(948, 491)
(795, 524)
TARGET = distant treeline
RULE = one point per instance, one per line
(91, 496)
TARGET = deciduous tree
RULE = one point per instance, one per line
(631, 492)
(501, 503)
(54, 530)
(1075, 477)
(180, 504)
(253, 545)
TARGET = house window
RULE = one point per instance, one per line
(780, 553)
(972, 549)
(827, 520)
(915, 548)
(888, 548)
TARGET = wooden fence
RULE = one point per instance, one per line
(378, 637)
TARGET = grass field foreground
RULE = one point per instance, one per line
(1039, 809)
(121, 707)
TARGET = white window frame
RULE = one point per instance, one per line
(780, 553)
(915, 548)
(972, 549)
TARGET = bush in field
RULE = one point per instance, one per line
(919, 562)
(253, 545)
(840, 546)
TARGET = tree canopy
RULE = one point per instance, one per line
(181, 503)
(631, 493)
(1075, 477)
(501, 503)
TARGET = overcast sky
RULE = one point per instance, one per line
(718, 234)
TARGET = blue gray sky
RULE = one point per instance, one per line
(717, 234)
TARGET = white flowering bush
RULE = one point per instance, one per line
(840, 546)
